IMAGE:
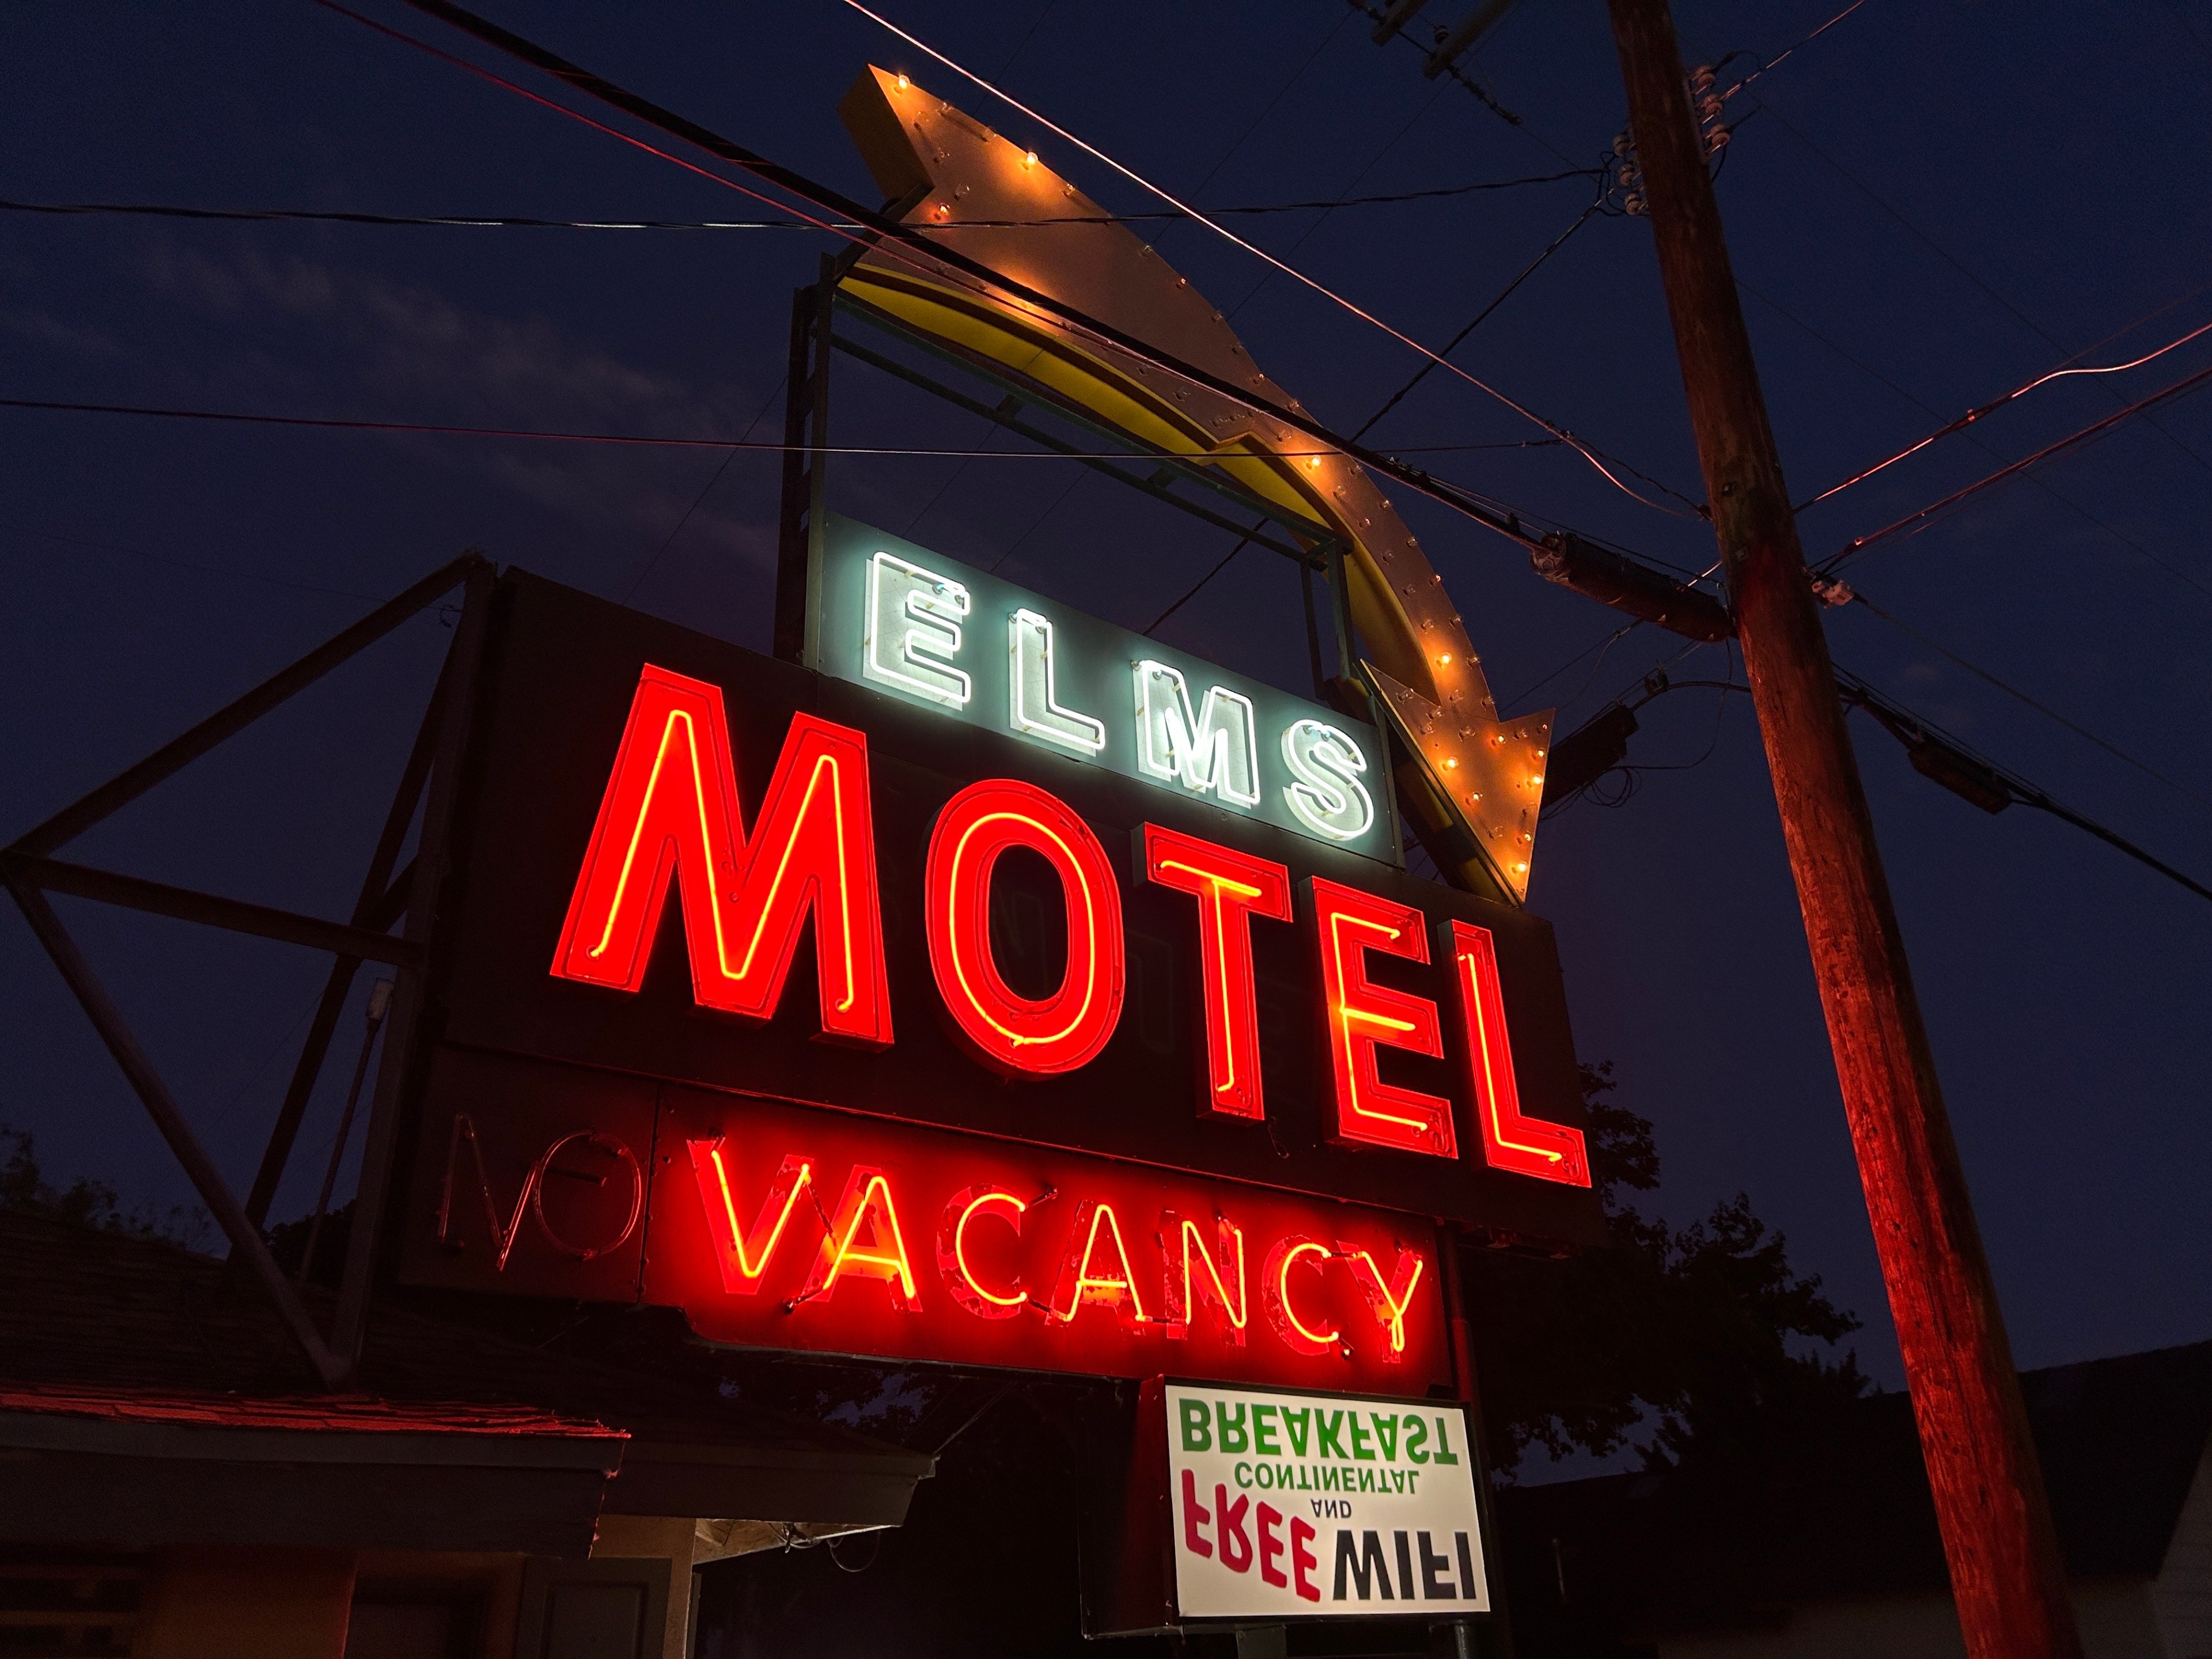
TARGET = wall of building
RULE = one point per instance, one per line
(2181, 1596)
(669, 1538)
(2116, 1622)
(231, 1603)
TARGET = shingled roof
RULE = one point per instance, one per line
(163, 1349)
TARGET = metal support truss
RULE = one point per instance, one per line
(30, 873)
(1163, 474)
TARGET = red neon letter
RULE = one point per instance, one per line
(1180, 1233)
(671, 811)
(1069, 1027)
(1362, 1014)
(1193, 1516)
(1275, 1283)
(743, 1256)
(867, 1193)
(970, 1204)
(1526, 1145)
(1231, 888)
(1304, 1561)
(1390, 1300)
(1078, 1284)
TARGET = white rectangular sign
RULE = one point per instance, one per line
(1299, 1506)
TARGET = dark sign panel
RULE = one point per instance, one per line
(704, 899)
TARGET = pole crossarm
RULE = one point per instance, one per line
(136, 893)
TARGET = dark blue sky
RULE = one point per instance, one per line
(1933, 203)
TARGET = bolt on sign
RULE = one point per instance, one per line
(851, 1019)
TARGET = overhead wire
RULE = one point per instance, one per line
(2022, 697)
(516, 222)
(892, 237)
(1921, 518)
(1926, 408)
(1258, 252)
(1393, 401)
(633, 439)
(1981, 411)
(1909, 728)
(1947, 257)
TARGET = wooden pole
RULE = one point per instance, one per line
(2006, 1575)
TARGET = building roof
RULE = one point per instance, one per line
(115, 1344)
(1848, 1513)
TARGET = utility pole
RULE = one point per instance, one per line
(2006, 1575)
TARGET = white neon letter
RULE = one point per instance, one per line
(914, 615)
(1329, 798)
(1216, 751)
(1032, 697)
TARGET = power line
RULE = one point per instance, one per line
(1994, 403)
(2020, 697)
(631, 440)
(1920, 519)
(1944, 759)
(1390, 404)
(516, 222)
(1936, 754)
(1258, 252)
(1505, 293)
(1948, 258)
(894, 238)
(1926, 408)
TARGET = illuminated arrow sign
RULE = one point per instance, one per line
(946, 637)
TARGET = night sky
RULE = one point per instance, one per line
(1928, 205)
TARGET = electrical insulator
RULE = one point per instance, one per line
(1709, 108)
(1620, 144)
(1632, 205)
(1717, 141)
(1701, 78)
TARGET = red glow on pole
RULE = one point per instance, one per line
(1526, 1145)
(1067, 1028)
(671, 812)
(1363, 1015)
(1231, 888)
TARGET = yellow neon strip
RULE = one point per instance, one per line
(1397, 1309)
(1489, 1079)
(1090, 930)
(738, 1233)
(1346, 1014)
(1084, 1281)
(1220, 1290)
(960, 1247)
(1228, 1083)
(1283, 1289)
(870, 1258)
(706, 874)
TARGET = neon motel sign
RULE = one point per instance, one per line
(670, 817)
(704, 1103)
